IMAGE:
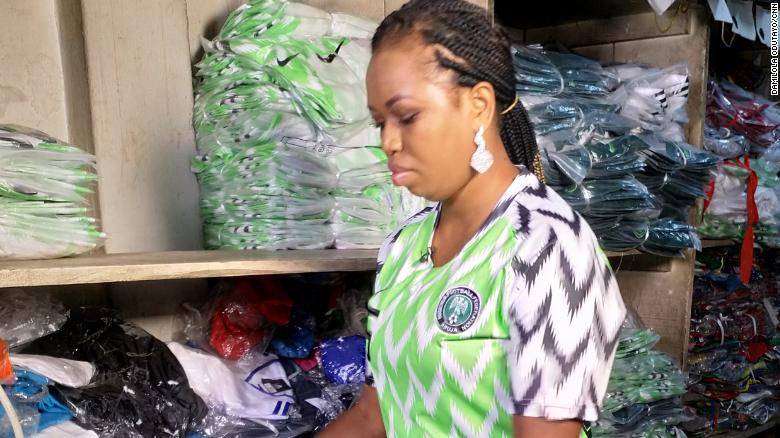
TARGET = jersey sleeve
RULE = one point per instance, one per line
(565, 312)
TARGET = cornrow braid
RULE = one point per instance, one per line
(483, 54)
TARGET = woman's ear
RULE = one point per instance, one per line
(483, 104)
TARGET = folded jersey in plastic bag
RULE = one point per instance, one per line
(140, 389)
(254, 388)
(608, 198)
(744, 113)
(539, 71)
(44, 185)
(655, 98)
(287, 159)
(725, 143)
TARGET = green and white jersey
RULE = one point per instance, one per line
(524, 321)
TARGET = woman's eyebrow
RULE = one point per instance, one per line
(392, 101)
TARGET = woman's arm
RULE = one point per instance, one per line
(364, 420)
(530, 427)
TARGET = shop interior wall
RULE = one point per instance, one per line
(662, 299)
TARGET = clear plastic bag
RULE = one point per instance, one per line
(287, 158)
(44, 185)
(669, 238)
(241, 317)
(654, 97)
(539, 71)
(744, 113)
(140, 388)
(217, 424)
(725, 143)
(28, 315)
(343, 359)
(609, 198)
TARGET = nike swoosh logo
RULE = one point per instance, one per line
(285, 61)
(328, 59)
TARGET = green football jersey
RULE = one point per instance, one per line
(523, 321)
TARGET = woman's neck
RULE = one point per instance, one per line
(472, 204)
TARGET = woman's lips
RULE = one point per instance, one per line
(400, 174)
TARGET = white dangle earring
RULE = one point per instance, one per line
(482, 158)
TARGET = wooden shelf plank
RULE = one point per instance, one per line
(715, 243)
(179, 265)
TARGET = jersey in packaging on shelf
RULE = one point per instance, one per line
(44, 185)
(287, 157)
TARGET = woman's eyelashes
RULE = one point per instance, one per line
(408, 120)
(405, 121)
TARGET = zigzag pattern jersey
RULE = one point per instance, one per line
(523, 321)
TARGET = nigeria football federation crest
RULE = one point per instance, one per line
(457, 310)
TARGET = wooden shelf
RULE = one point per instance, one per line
(716, 243)
(179, 265)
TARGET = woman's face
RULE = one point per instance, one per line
(426, 121)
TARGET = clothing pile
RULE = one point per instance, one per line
(265, 357)
(309, 368)
(744, 129)
(613, 146)
(44, 185)
(643, 396)
(734, 359)
(286, 156)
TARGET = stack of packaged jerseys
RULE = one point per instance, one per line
(44, 185)
(612, 145)
(287, 158)
(643, 396)
(734, 362)
(744, 130)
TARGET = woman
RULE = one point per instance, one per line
(494, 313)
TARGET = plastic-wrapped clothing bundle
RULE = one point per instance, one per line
(653, 97)
(240, 318)
(725, 143)
(643, 394)
(616, 157)
(44, 184)
(669, 238)
(609, 197)
(287, 159)
(612, 146)
(28, 315)
(36, 407)
(562, 169)
(732, 335)
(677, 173)
(539, 71)
(220, 425)
(745, 113)
(319, 401)
(140, 389)
(254, 388)
(729, 196)
(343, 359)
(560, 124)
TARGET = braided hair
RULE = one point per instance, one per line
(483, 54)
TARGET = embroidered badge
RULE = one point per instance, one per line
(457, 310)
